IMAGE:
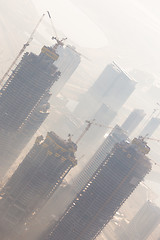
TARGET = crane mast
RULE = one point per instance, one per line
(89, 124)
(22, 50)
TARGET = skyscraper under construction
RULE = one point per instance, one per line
(20, 98)
(35, 180)
(95, 205)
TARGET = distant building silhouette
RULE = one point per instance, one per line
(133, 120)
(104, 115)
(20, 98)
(95, 205)
(35, 180)
(113, 87)
(143, 224)
(151, 127)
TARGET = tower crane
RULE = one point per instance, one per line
(149, 138)
(22, 49)
(59, 42)
(155, 110)
(92, 122)
(154, 139)
(89, 124)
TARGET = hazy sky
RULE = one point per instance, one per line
(131, 28)
(73, 22)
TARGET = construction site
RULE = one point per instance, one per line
(67, 162)
(24, 98)
(108, 188)
(34, 182)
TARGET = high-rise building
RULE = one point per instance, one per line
(113, 87)
(33, 76)
(117, 135)
(68, 61)
(21, 95)
(34, 181)
(95, 205)
(151, 127)
(143, 223)
(133, 120)
(113, 82)
(18, 140)
(35, 118)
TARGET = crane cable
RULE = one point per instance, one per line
(53, 28)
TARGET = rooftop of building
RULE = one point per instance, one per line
(117, 68)
(66, 144)
(141, 145)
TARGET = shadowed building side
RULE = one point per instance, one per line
(20, 96)
(113, 182)
(32, 77)
(117, 135)
(17, 141)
